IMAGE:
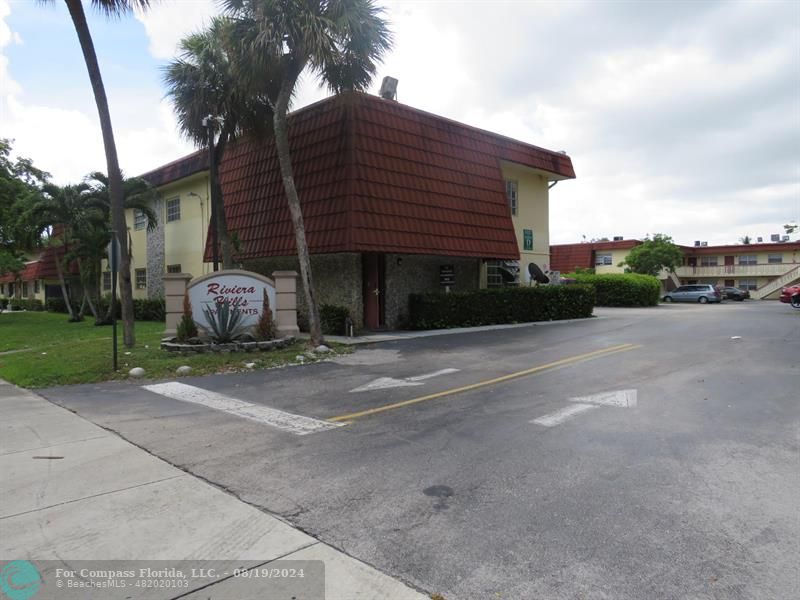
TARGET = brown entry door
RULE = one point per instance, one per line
(729, 264)
(374, 278)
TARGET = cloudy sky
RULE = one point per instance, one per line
(680, 117)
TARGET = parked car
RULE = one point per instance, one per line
(788, 292)
(734, 293)
(701, 292)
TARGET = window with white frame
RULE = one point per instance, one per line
(748, 284)
(502, 273)
(173, 210)
(603, 259)
(173, 268)
(24, 285)
(708, 261)
(106, 280)
(748, 259)
(139, 220)
(36, 288)
(141, 279)
(775, 259)
(512, 195)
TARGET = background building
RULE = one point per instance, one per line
(763, 269)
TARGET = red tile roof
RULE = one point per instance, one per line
(178, 169)
(29, 273)
(743, 248)
(376, 175)
(566, 257)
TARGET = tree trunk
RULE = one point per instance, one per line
(223, 237)
(114, 176)
(285, 160)
(63, 283)
(86, 278)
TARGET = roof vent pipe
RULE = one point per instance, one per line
(389, 88)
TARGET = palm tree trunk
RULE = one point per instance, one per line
(64, 293)
(223, 237)
(114, 176)
(285, 160)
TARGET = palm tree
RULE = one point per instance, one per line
(340, 41)
(138, 195)
(110, 8)
(202, 82)
(58, 214)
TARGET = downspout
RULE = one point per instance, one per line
(552, 185)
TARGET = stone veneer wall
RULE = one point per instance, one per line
(418, 274)
(337, 279)
(155, 255)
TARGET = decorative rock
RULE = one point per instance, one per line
(136, 372)
(300, 358)
(322, 349)
(250, 365)
(184, 370)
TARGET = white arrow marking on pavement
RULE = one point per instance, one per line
(618, 398)
(434, 374)
(383, 383)
(297, 424)
(564, 414)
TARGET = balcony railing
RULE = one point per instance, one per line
(762, 270)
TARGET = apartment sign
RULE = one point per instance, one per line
(243, 290)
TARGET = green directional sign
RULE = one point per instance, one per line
(527, 239)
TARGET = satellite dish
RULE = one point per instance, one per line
(536, 274)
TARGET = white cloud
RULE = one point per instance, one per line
(166, 23)
(681, 118)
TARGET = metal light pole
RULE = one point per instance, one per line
(208, 123)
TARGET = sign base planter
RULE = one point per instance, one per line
(172, 345)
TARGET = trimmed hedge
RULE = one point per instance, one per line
(56, 305)
(31, 304)
(333, 319)
(144, 309)
(506, 305)
(622, 289)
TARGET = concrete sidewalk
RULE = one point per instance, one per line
(73, 491)
(395, 335)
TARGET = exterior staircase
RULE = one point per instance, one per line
(776, 284)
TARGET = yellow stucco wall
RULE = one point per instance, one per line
(533, 212)
(617, 256)
(185, 239)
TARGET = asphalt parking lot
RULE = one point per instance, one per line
(646, 453)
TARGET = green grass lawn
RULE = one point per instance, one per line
(39, 349)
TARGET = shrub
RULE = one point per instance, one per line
(56, 304)
(507, 305)
(186, 327)
(225, 322)
(3, 303)
(33, 304)
(15, 304)
(265, 328)
(149, 309)
(622, 289)
(333, 319)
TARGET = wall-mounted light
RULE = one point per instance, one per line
(399, 260)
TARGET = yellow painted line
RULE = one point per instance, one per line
(571, 360)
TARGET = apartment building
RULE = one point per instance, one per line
(762, 268)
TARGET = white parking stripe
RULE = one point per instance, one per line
(296, 424)
(564, 414)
